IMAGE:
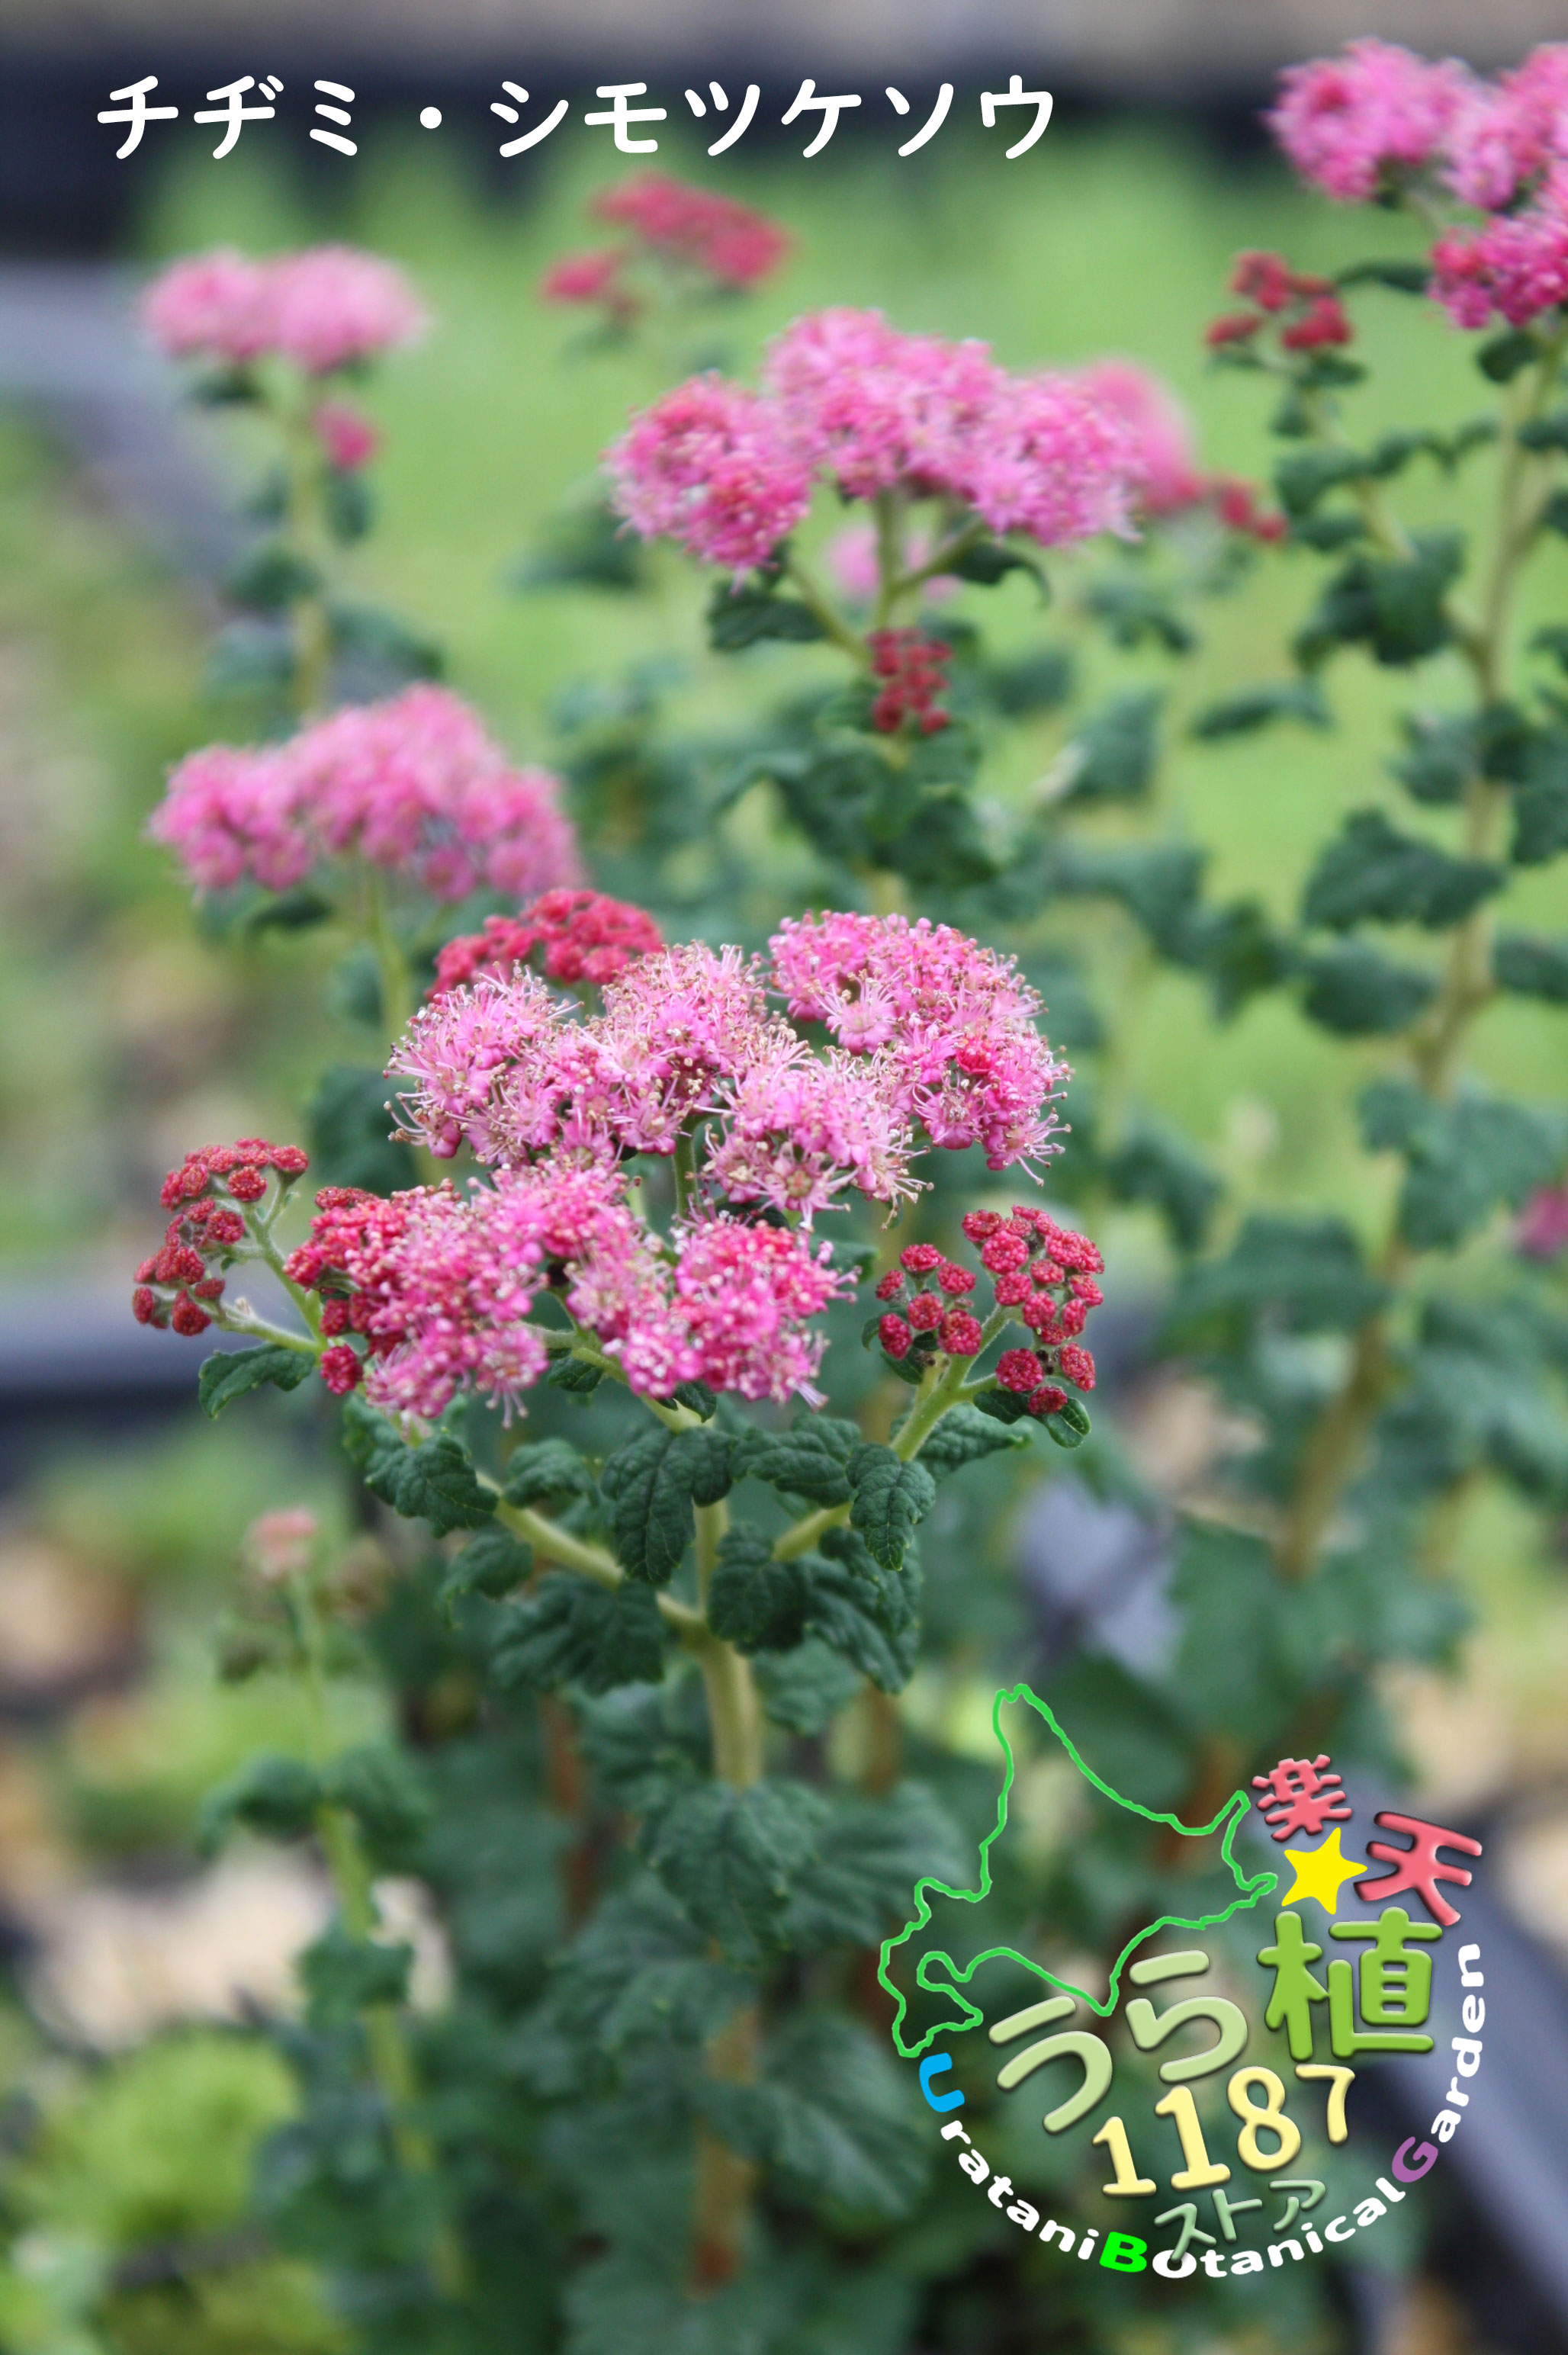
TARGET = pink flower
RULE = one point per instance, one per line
(956, 1021)
(332, 305)
(348, 439)
(1055, 460)
(1543, 1228)
(744, 1294)
(798, 1132)
(483, 1061)
(1167, 478)
(1505, 133)
(413, 785)
(213, 306)
(727, 241)
(322, 308)
(1516, 265)
(587, 277)
(584, 936)
(1347, 122)
(713, 467)
(677, 1028)
(876, 407)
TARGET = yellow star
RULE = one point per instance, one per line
(1319, 1871)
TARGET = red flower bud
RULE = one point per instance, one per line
(340, 1369)
(961, 1333)
(1020, 1369)
(895, 1335)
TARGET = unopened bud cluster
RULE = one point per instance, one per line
(180, 1285)
(1043, 1277)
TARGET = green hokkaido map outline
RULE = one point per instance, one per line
(1252, 1890)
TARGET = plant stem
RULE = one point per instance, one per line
(1333, 1451)
(391, 2063)
(889, 556)
(816, 600)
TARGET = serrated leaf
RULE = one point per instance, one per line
(1157, 883)
(1002, 1406)
(868, 1621)
(730, 1858)
(271, 577)
(753, 1602)
(1069, 1427)
(1253, 708)
(652, 1485)
(1532, 967)
(569, 1630)
(1402, 277)
(1116, 749)
(275, 1797)
(492, 1564)
(1155, 1164)
(1540, 802)
(385, 1793)
(803, 1689)
(1308, 1274)
(1041, 681)
(433, 1482)
(964, 1436)
(343, 1976)
(1466, 1157)
(347, 504)
(1304, 477)
(229, 1374)
(698, 1396)
(1502, 357)
(575, 1376)
(1358, 992)
(1373, 871)
(298, 910)
(806, 1461)
(1238, 950)
(643, 1742)
(349, 1124)
(891, 1499)
(870, 1854)
(1394, 607)
(636, 1970)
(989, 560)
(740, 617)
(832, 2120)
(546, 1468)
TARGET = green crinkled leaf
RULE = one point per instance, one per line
(1040, 681)
(342, 1977)
(1395, 608)
(1308, 1274)
(1373, 871)
(1070, 1425)
(585, 546)
(383, 644)
(1481, 1390)
(1154, 1165)
(869, 1620)
(384, 1791)
(1136, 610)
(1466, 1158)
(698, 1396)
(1002, 1406)
(1502, 357)
(652, 1485)
(576, 1376)
(753, 1602)
(1254, 707)
(1540, 802)
(739, 617)
(643, 1742)
(569, 1630)
(347, 1121)
(1125, 1726)
(435, 1482)
(1358, 993)
(1532, 967)
(1238, 949)
(638, 1970)
(299, 910)
(1404, 277)
(491, 1563)
(275, 1797)
(989, 560)
(803, 1689)
(962, 1437)
(1157, 883)
(347, 504)
(1116, 749)
(808, 1461)
(546, 1468)
(1304, 477)
(833, 2120)
(1230, 1676)
(229, 1373)
(871, 1852)
(730, 1858)
(272, 577)
(890, 1498)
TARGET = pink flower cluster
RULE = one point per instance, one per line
(724, 246)
(728, 473)
(440, 1287)
(1043, 1277)
(1361, 123)
(954, 1021)
(325, 308)
(1543, 1228)
(412, 784)
(181, 1283)
(935, 1039)
(578, 936)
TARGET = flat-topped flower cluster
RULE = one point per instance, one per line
(414, 784)
(1371, 123)
(717, 246)
(325, 308)
(729, 473)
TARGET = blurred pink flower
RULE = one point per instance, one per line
(214, 306)
(324, 308)
(1543, 1228)
(711, 466)
(348, 437)
(1167, 477)
(1347, 122)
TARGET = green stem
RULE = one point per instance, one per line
(889, 556)
(816, 600)
(684, 1165)
(571, 1552)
